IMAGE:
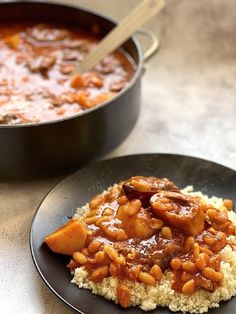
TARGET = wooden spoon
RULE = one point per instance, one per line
(143, 12)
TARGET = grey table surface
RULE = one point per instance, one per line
(188, 107)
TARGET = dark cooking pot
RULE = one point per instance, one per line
(52, 147)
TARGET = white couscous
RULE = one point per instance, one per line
(150, 297)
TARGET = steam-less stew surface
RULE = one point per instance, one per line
(36, 63)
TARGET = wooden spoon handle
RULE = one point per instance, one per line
(144, 11)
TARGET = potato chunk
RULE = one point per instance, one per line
(136, 226)
(67, 239)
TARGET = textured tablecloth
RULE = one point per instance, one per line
(188, 107)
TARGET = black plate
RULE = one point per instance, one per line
(78, 188)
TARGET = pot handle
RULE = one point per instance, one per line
(155, 43)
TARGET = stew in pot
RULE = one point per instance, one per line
(36, 63)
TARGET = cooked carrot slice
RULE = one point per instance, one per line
(13, 41)
(77, 81)
(102, 98)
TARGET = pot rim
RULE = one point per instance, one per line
(138, 69)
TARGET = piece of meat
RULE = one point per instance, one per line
(67, 68)
(157, 250)
(14, 118)
(118, 86)
(105, 69)
(67, 239)
(178, 210)
(144, 188)
(8, 118)
(70, 55)
(45, 33)
(167, 254)
(80, 44)
(41, 64)
(205, 283)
